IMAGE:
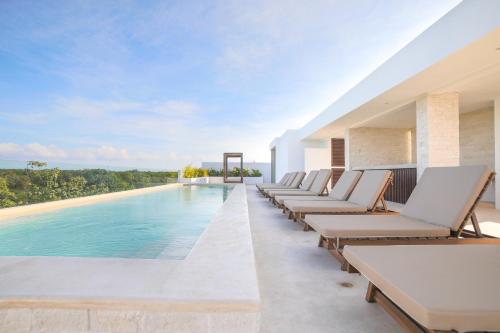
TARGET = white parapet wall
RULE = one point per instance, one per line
(213, 290)
(220, 180)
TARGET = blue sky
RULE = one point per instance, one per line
(162, 84)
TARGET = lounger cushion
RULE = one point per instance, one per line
(274, 193)
(280, 183)
(345, 185)
(331, 206)
(306, 184)
(353, 226)
(321, 181)
(442, 287)
(273, 186)
(299, 176)
(290, 178)
(312, 197)
(443, 196)
(369, 187)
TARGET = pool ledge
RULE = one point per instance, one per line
(213, 290)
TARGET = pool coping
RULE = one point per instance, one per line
(218, 276)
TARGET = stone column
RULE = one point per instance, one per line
(497, 152)
(346, 150)
(438, 131)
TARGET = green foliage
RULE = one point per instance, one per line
(7, 198)
(192, 172)
(256, 173)
(215, 173)
(32, 185)
(235, 172)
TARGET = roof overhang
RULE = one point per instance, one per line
(460, 53)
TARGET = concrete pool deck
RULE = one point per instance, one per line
(213, 290)
(302, 288)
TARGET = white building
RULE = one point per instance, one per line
(434, 103)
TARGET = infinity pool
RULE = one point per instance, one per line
(163, 225)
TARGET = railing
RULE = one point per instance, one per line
(404, 181)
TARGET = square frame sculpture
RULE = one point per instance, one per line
(228, 156)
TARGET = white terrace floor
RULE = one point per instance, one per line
(301, 286)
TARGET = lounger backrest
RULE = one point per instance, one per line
(444, 195)
(290, 179)
(345, 185)
(369, 188)
(321, 181)
(307, 183)
(284, 179)
(298, 179)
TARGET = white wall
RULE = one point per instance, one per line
(289, 153)
(293, 154)
(317, 158)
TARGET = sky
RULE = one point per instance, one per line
(164, 84)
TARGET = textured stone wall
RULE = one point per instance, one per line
(477, 138)
(477, 142)
(438, 131)
(370, 146)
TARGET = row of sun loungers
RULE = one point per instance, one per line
(424, 268)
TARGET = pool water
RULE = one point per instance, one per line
(163, 225)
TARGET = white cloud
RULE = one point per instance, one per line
(30, 151)
(102, 153)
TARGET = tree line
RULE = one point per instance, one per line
(193, 172)
(36, 184)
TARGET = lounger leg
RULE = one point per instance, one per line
(475, 224)
(321, 239)
(370, 293)
(384, 204)
(373, 294)
(350, 268)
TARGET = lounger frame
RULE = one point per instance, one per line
(375, 295)
(461, 236)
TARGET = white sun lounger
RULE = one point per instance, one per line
(280, 183)
(433, 288)
(341, 191)
(366, 197)
(436, 212)
(294, 185)
(289, 179)
(318, 186)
